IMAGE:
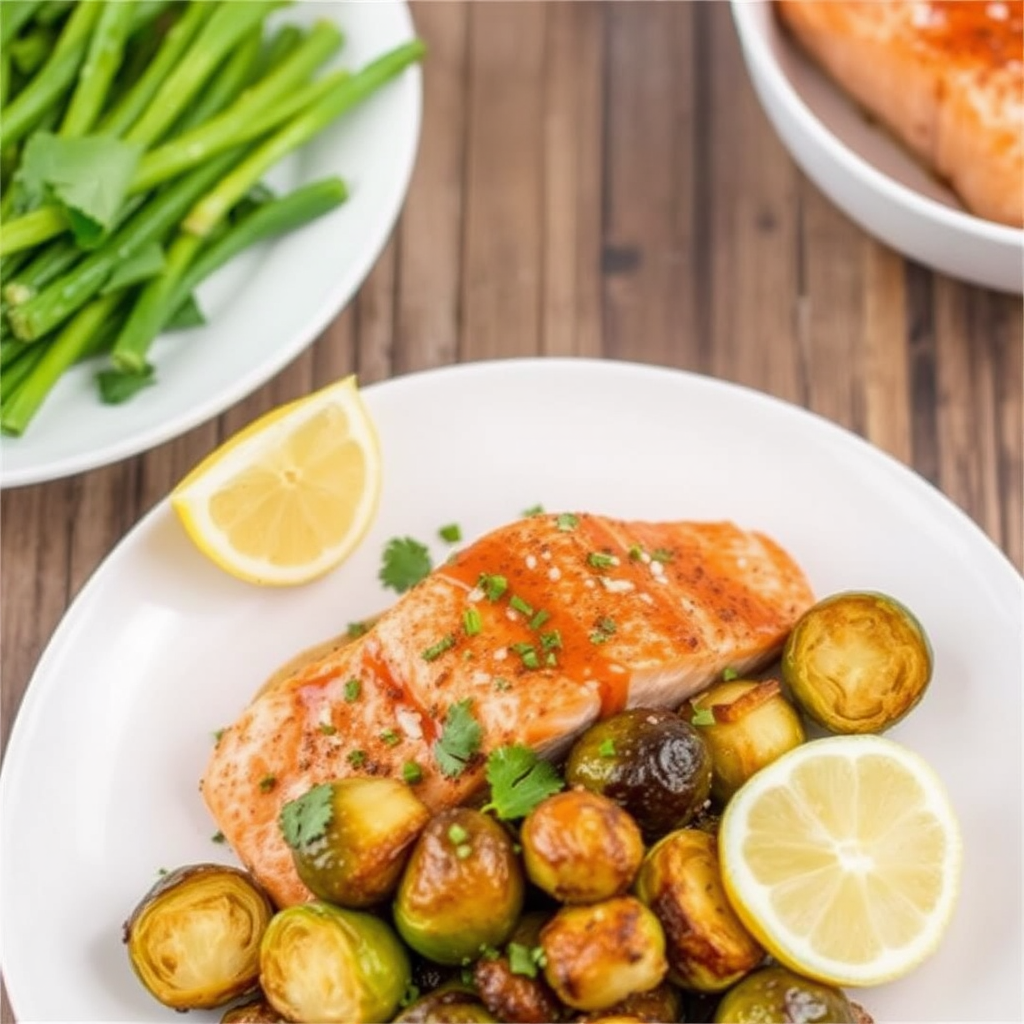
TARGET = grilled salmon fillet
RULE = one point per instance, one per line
(542, 626)
(945, 76)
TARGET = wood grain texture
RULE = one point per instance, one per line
(597, 178)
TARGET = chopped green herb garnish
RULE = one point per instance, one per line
(567, 521)
(463, 851)
(162, 871)
(412, 772)
(327, 729)
(597, 637)
(551, 641)
(635, 552)
(471, 622)
(451, 533)
(457, 834)
(729, 674)
(521, 961)
(353, 688)
(492, 586)
(539, 619)
(600, 560)
(607, 748)
(306, 819)
(436, 650)
(267, 783)
(502, 684)
(516, 602)
(702, 716)
(218, 837)
(519, 780)
(405, 563)
(489, 952)
(534, 510)
(356, 629)
(217, 735)
(551, 660)
(357, 758)
(662, 555)
(390, 737)
(528, 654)
(606, 625)
(460, 739)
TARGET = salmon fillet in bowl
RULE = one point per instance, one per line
(892, 146)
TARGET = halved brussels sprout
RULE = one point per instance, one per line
(857, 662)
(650, 762)
(778, 995)
(254, 1011)
(753, 724)
(462, 888)
(512, 984)
(351, 838)
(596, 955)
(581, 847)
(322, 963)
(706, 945)
(450, 1004)
(194, 938)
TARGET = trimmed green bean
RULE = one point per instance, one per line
(14, 15)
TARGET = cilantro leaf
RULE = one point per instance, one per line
(306, 819)
(88, 176)
(405, 563)
(118, 386)
(460, 739)
(519, 781)
(188, 314)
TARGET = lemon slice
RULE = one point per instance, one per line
(843, 859)
(289, 497)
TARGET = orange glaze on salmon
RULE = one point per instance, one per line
(613, 614)
(946, 76)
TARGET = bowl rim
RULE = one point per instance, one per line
(759, 53)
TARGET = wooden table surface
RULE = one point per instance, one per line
(597, 179)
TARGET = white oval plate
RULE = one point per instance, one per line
(160, 649)
(861, 167)
(267, 305)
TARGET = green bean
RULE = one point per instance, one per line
(14, 15)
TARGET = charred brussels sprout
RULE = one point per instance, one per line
(598, 954)
(462, 888)
(746, 725)
(450, 1004)
(661, 1004)
(511, 983)
(581, 847)
(319, 962)
(194, 938)
(857, 662)
(706, 945)
(255, 1011)
(350, 839)
(650, 762)
(775, 995)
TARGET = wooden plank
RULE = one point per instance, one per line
(503, 198)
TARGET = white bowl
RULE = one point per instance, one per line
(863, 170)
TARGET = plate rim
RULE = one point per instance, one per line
(755, 45)
(16, 753)
(330, 306)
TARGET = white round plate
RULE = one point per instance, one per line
(861, 167)
(99, 788)
(267, 305)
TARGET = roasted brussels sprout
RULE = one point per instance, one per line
(650, 762)
(350, 839)
(706, 945)
(597, 954)
(752, 725)
(462, 888)
(774, 995)
(323, 963)
(581, 847)
(661, 1005)
(194, 938)
(857, 662)
(254, 1011)
(449, 1004)
(511, 984)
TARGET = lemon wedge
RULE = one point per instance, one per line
(290, 496)
(843, 859)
